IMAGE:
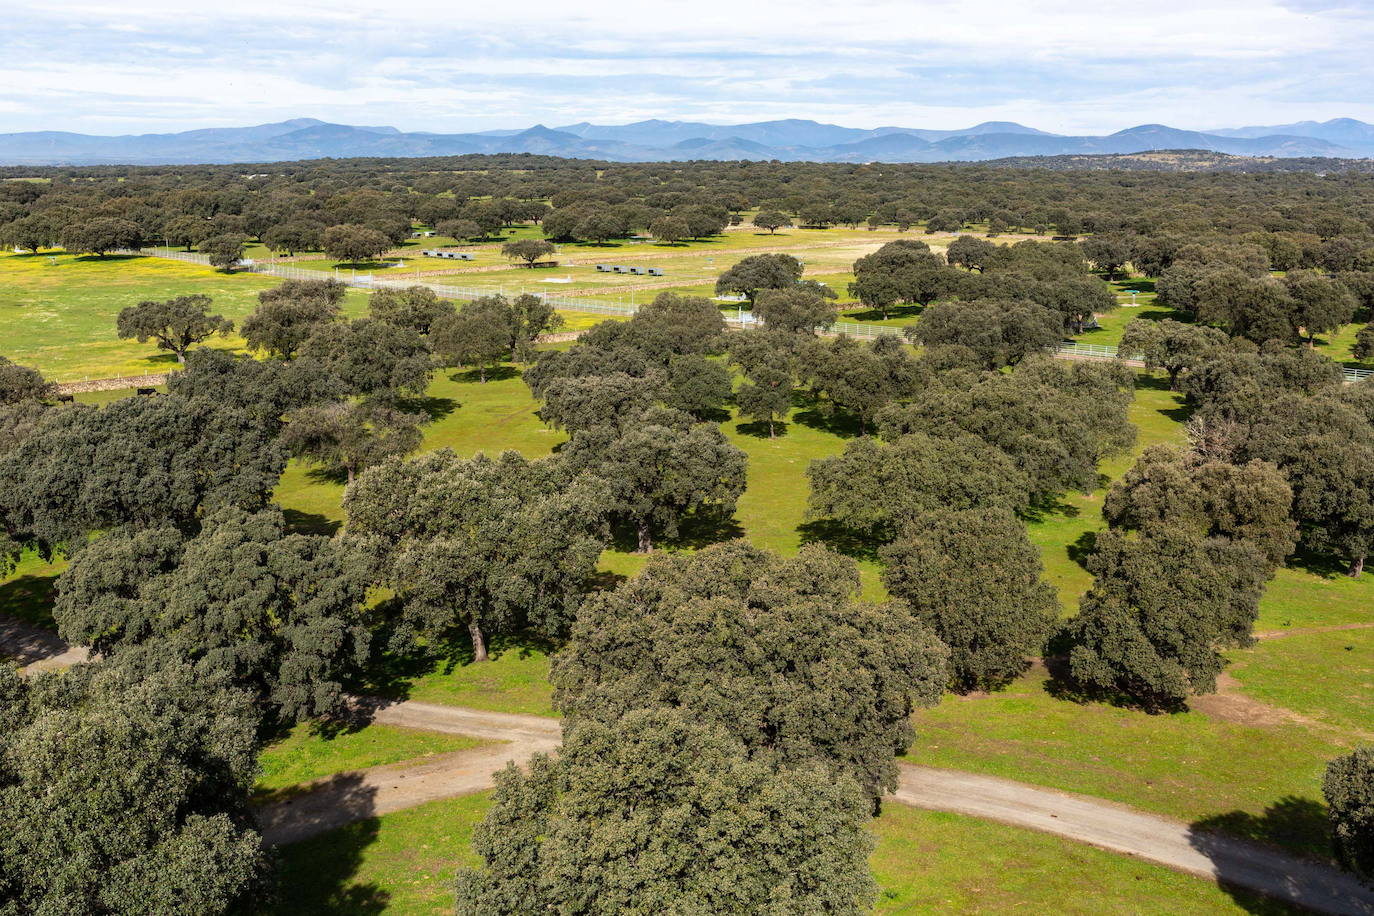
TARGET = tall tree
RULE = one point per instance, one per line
(482, 544)
(225, 251)
(527, 250)
(974, 577)
(797, 310)
(144, 462)
(21, 383)
(415, 307)
(614, 400)
(124, 789)
(654, 813)
(670, 229)
(760, 271)
(174, 324)
(878, 489)
(101, 235)
(660, 468)
(371, 357)
(287, 315)
(354, 244)
(284, 617)
(1054, 419)
(352, 436)
(1000, 333)
(1349, 790)
(479, 335)
(778, 651)
(1170, 345)
(1179, 574)
(772, 220)
(1320, 305)
(900, 272)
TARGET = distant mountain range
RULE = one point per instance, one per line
(649, 141)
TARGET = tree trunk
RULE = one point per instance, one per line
(1173, 378)
(479, 643)
(770, 429)
(646, 544)
(181, 357)
(349, 469)
(1356, 567)
(482, 373)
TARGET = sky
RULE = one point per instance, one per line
(454, 66)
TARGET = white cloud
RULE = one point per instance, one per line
(1059, 64)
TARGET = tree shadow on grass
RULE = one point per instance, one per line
(1293, 824)
(711, 415)
(29, 598)
(840, 538)
(435, 408)
(298, 522)
(1152, 381)
(337, 476)
(1083, 546)
(494, 374)
(362, 265)
(896, 311)
(825, 420)
(1049, 508)
(389, 673)
(316, 876)
(758, 429)
(695, 531)
(1323, 565)
(1061, 685)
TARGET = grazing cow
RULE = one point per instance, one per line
(65, 399)
(146, 392)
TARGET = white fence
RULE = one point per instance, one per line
(1068, 350)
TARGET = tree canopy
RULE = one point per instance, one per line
(490, 545)
(780, 652)
(655, 813)
(281, 614)
(174, 324)
(124, 789)
(973, 576)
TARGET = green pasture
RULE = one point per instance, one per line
(1328, 676)
(57, 311)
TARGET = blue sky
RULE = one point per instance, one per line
(1067, 67)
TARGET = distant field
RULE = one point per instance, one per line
(57, 312)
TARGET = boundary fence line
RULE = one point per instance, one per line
(1067, 350)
